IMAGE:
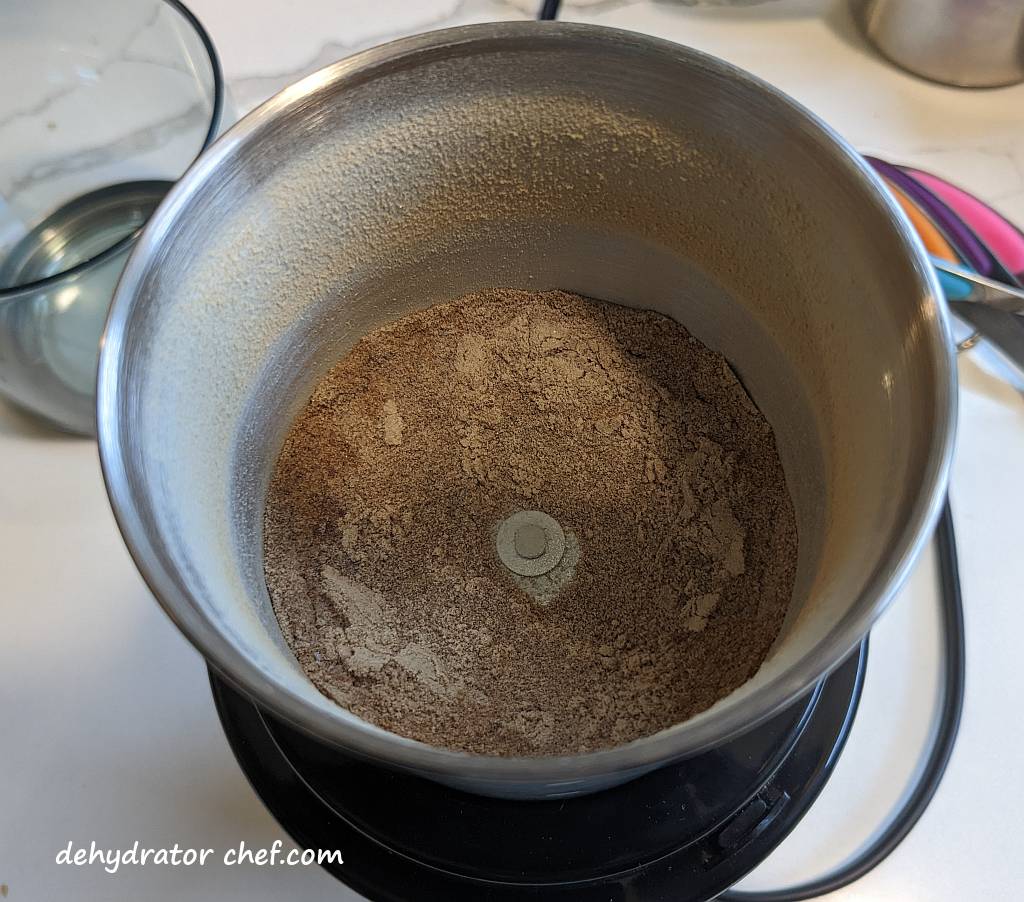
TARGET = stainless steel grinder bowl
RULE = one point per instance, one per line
(531, 155)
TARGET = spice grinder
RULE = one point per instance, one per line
(532, 156)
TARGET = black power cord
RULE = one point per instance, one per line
(939, 753)
(548, 10)
(941, 749)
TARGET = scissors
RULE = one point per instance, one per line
(960, 232)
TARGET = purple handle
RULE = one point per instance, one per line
(960, 235)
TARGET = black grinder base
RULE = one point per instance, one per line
(684, 833)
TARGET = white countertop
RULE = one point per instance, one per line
(107, 729)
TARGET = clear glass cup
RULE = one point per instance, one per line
(105, 103)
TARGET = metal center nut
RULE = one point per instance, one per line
(530, 543)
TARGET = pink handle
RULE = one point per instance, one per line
(1003, 239)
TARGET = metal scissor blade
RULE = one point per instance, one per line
(971, 288)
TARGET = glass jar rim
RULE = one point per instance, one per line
(211, 132)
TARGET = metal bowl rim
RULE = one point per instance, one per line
(349, 732)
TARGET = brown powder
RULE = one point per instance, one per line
(384, 508)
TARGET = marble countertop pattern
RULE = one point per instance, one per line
(108, 729)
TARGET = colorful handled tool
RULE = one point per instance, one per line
(968, 268)
(1004, 239)
(960, 284)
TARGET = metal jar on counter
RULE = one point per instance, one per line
(966, 43)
